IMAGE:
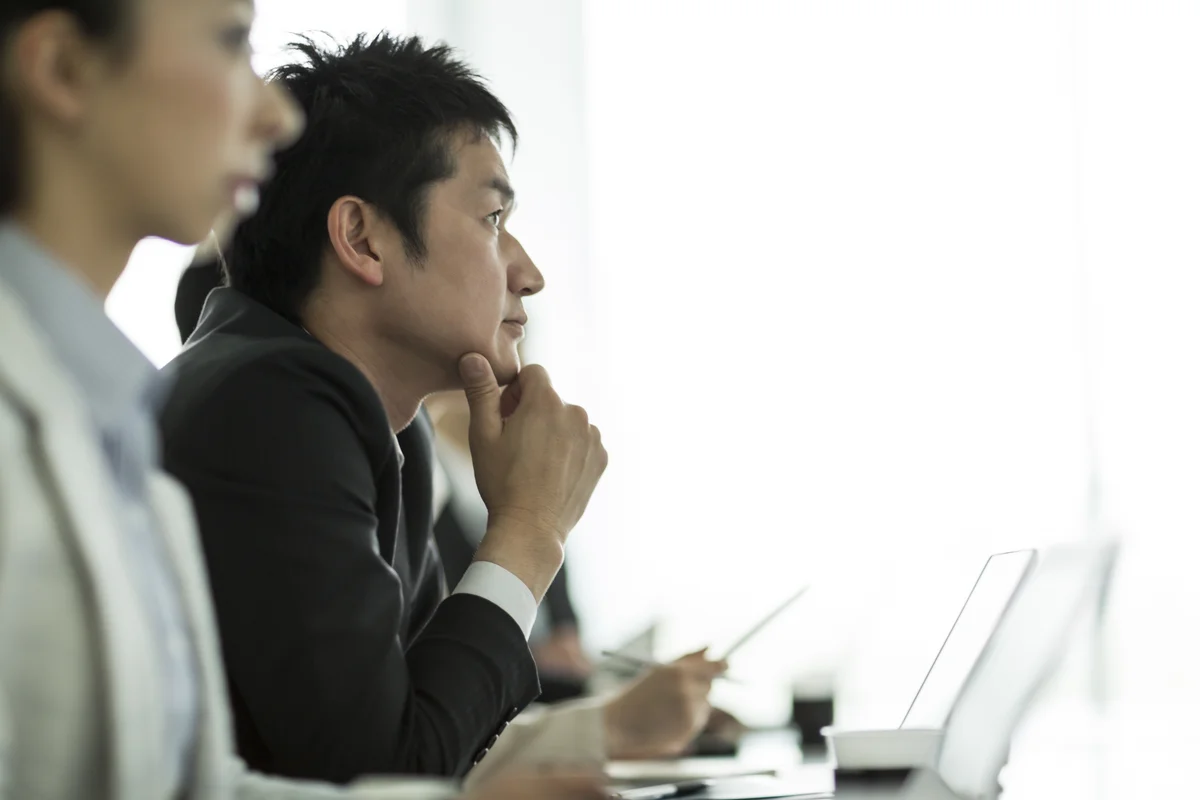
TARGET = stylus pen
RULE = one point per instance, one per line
(764, 622)
(634, 661)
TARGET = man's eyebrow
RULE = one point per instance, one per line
(502, 186)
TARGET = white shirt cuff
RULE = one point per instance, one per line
(493, 582)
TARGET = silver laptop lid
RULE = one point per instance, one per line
(1027, 645)
(977, 620)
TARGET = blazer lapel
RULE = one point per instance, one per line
(88, 503)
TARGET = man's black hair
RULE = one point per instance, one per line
(381, 117)
(99, 19)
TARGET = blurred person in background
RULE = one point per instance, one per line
(197, 280)
(119, 121)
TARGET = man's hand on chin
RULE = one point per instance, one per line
(537, 461)
(660, 713)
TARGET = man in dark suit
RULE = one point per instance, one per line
(379, 269)
(343, 658)
(557, 652)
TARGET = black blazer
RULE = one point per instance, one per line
(343, 658)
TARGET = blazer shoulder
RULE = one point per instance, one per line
(32, 381)
(231, 357)
(280, 373)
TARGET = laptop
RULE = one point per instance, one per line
(1021, 654)
(915, 739)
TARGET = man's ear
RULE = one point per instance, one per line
(52, 65)
(352, 225)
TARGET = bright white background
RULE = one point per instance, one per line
(858, 291)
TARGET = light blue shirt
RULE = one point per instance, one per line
(122, 389)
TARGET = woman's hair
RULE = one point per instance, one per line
(103, 20)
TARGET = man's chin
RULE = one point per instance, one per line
(506, 371)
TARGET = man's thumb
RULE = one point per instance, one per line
(483, 393)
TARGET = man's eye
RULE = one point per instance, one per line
(494, 217)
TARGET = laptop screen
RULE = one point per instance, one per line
(985, 605)
(1024, 650)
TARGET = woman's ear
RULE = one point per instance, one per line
(52, 65)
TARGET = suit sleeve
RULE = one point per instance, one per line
(564, 734)
(309, 612)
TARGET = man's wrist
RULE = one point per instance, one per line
(526, 523)
(524, 549)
